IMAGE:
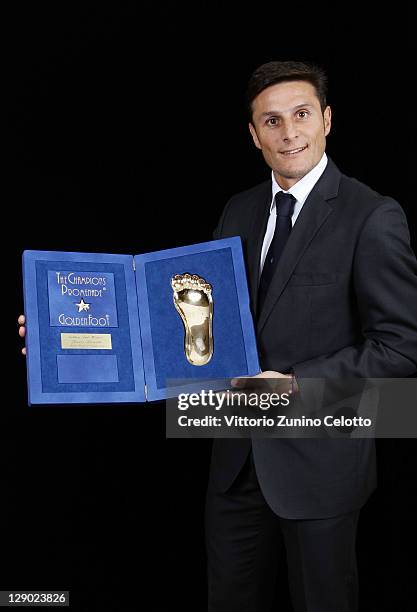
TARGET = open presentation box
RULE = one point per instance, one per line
(107, 328)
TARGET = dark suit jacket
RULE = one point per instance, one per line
(342, 303)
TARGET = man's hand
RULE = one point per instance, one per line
(270, 380)
(22, 330)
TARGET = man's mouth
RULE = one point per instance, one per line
(291, 152)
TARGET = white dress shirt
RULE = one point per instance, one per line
(300, 191)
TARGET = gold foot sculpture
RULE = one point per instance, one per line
(194, 303)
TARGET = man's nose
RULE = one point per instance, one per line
(289, 131)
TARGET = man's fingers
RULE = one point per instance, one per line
(22, 330)
(239, 383)
(266, 381)
(248, 381)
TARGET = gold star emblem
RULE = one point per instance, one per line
(82, 306)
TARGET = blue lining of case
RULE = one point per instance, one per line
(50, 341)
(216, 267)
(221, 263)
(87, 368)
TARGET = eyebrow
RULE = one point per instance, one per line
(270, 113)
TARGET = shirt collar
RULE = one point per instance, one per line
(302, 188)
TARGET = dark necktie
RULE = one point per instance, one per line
(284, 206)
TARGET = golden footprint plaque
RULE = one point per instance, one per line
(194, 304)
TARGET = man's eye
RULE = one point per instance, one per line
(272, 121)
(303, 114)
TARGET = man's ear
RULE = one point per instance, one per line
(327, 118)
(254, 136)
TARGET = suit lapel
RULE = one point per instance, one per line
(255, 239)
(312, 216)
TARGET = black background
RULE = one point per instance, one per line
(128, 134)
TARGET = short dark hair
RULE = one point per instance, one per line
(276, 72)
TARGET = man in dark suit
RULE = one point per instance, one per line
(333, 284)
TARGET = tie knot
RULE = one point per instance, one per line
(284, 203)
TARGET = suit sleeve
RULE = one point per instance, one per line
(217, 234)
(385, 285)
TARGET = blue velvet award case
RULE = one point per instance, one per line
(105, 329)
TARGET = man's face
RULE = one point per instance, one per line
(287, 117)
